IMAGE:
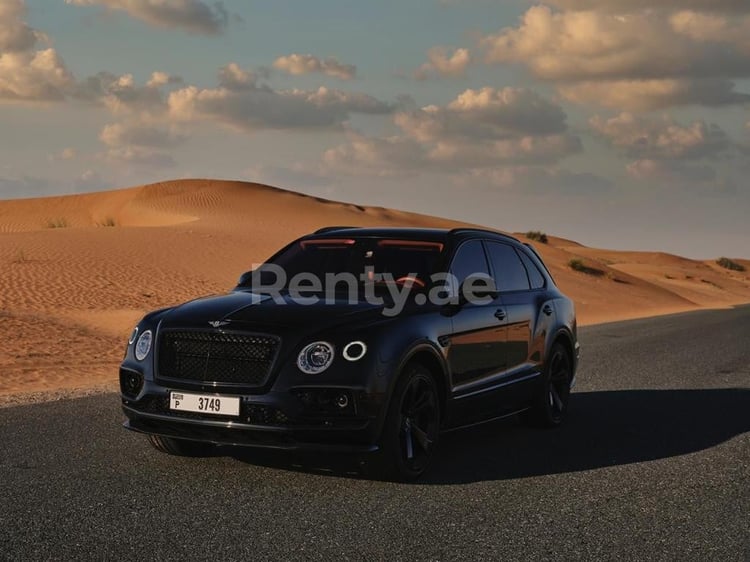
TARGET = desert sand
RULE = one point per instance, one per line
(77, 272)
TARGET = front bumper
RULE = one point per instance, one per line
(276, 420)
(248, 435)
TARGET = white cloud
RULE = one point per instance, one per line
(89, 180)
(716, 28)
(591, 45)
(487, 113)
(140, 134)
(648, 95)
(670, 152)
(521, 150)
(537, 179)
(647, 169)
(441, 63)
(140, 156)
(15, 34)
(159, 79)
(34, 76)
(389, 156)
(698, 178)
(28, 74)
(662, 139)
(308, 64)
(233, 77)
(641, 59)
(242, 104)
(121, 95)
(635, 5)
(193, 16)
(67, 153)
(141, 142)
(480, 129)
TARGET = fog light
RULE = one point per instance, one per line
(342, 401)
(131, 383)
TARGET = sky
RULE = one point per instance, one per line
(611, 122)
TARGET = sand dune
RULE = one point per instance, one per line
(76, 272)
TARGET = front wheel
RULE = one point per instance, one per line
(411, 429)
(550, 404)
(180, 447)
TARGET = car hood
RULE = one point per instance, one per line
(250, 311)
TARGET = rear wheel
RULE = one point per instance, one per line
(180, 447)
(411, 429)
(551, 401)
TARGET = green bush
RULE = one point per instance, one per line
(537, 235)
(578, 265)
(726, 263)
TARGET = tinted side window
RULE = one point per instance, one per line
(469, 260)
(510, 274)
(535, 276)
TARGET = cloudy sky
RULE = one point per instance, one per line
(607, 121)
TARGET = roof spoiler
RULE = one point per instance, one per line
(333, 228)
(482, 231)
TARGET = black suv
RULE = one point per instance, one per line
(365, 340)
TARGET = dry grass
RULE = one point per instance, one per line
(109, 221)
(60, 222)
(726, 263)
(537, 235)
(579, 265)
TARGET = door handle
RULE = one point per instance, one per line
(500, 314)
(547, 309)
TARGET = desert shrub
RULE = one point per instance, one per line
(20, 256)
(578, 265)
(726, 263)
(60, 222)
(109, 221)
(537, 235)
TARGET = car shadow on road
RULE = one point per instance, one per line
(603, 429)
(606, 428)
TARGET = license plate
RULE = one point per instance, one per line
(205, 403)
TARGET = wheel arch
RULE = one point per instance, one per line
(564, 337)
(428, 355)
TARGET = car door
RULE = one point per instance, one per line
(476, 354)
(512, 282)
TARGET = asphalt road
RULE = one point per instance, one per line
(653, 464)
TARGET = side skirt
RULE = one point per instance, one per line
(482, 422)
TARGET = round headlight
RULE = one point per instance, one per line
(354, 351)
(315, 358)
(144, 345)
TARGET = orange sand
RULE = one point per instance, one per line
(70, 295)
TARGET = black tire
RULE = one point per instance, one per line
(550, 404)
(411, 429)
(180, 447)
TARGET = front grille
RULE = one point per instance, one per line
(216, 357)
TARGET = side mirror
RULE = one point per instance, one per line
(244, 280)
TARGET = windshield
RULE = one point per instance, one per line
(366, 259)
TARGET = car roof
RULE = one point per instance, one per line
(438, 234)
